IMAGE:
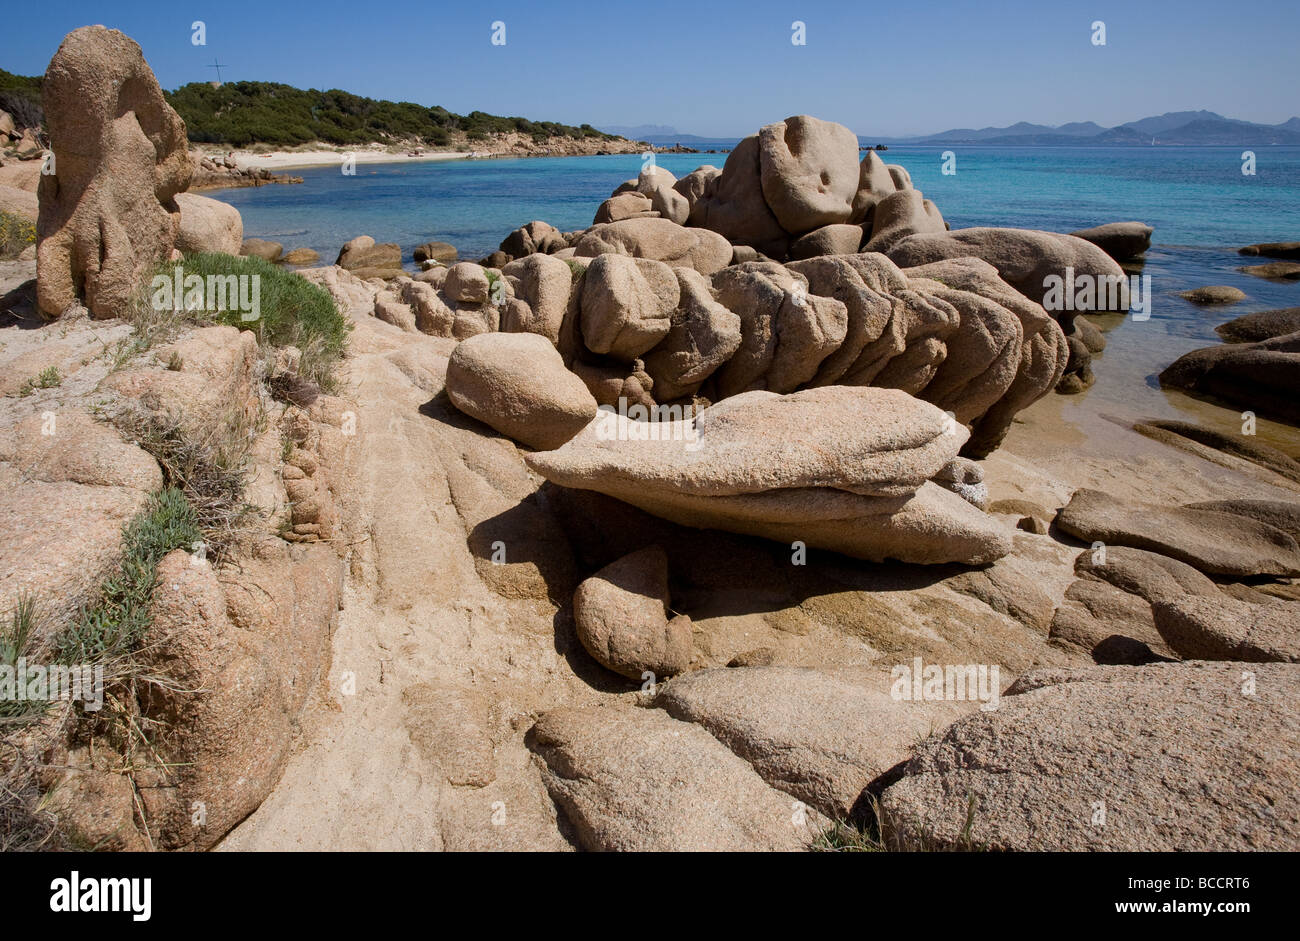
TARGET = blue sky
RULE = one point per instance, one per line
(882, 68)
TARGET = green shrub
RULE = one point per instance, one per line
(115, 623)
(16, 233)
(293, 311)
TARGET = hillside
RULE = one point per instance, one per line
(242, 113)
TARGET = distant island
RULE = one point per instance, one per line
(1187, 128)
(1205, 128)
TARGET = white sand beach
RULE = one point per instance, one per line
(282, 160)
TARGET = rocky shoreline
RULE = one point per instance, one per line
(743, 519)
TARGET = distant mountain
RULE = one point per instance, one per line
(1175, 127)
(655, 134)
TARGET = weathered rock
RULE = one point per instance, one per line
(1109, 624)
(809, 172)
(1274, 270)
(435, 251)
(301, 257)
(361, 257)
(536, 236)
(208, 225)
(698, 182)
(627, 305)
(838, 239)
(1261, 377)
(900, 214)
(623, 206)
(391, 309)
(1025, 259)
(517, 384)
(1122, 241)
(450, 726)
(1213, 541)
(541, 296)
(1214, 294)
(19, 202)
(1206, 441)
(617, 384)
(262, 248)
(836, 467)
(874, 184)
(786, 332)
(1289, 250)
(110, 214)
(638, 780)
(1261, 325)
(734, 206)
(658, 240)
(466, 283)
(1223, 628)
(621, 614)
(809, 734)
(703, 335)
(1062, 745)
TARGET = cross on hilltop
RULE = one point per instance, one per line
(218, 66)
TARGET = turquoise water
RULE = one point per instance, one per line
(1200, 204)
(1193, 196)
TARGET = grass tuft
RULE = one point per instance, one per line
(16, 234)
(293, 311)
(112, 626)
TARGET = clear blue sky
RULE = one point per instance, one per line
(713, 68)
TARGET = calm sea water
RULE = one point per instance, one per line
(1202, 207)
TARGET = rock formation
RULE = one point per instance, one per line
(109, 213)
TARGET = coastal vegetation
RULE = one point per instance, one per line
(243, 113)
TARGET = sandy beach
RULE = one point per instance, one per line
(282, 160)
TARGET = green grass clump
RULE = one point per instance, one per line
(17, 638)
(16, 233)
(293, 311)
(114, 624)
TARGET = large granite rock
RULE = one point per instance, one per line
(208, 225)
(840, 468)
(809, 172)
(1261, 377)
(659, 240)
(1165, 757)
(1122, 241)
(1025, 259)
(621, 614)
(816, 736)
(110, 214)
(1214, 541)
(639, 780)
(517, 384)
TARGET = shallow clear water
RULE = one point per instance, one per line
(1201, 205)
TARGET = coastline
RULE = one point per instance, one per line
(286, 160)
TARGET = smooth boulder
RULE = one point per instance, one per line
(517, 384)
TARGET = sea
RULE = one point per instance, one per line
(1201, 204)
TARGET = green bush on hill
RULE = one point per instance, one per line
(242, 113)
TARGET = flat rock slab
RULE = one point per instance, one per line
(1228, 629)
(1189, 756)
(805, 732)
(639, 780)
(1216, 542)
